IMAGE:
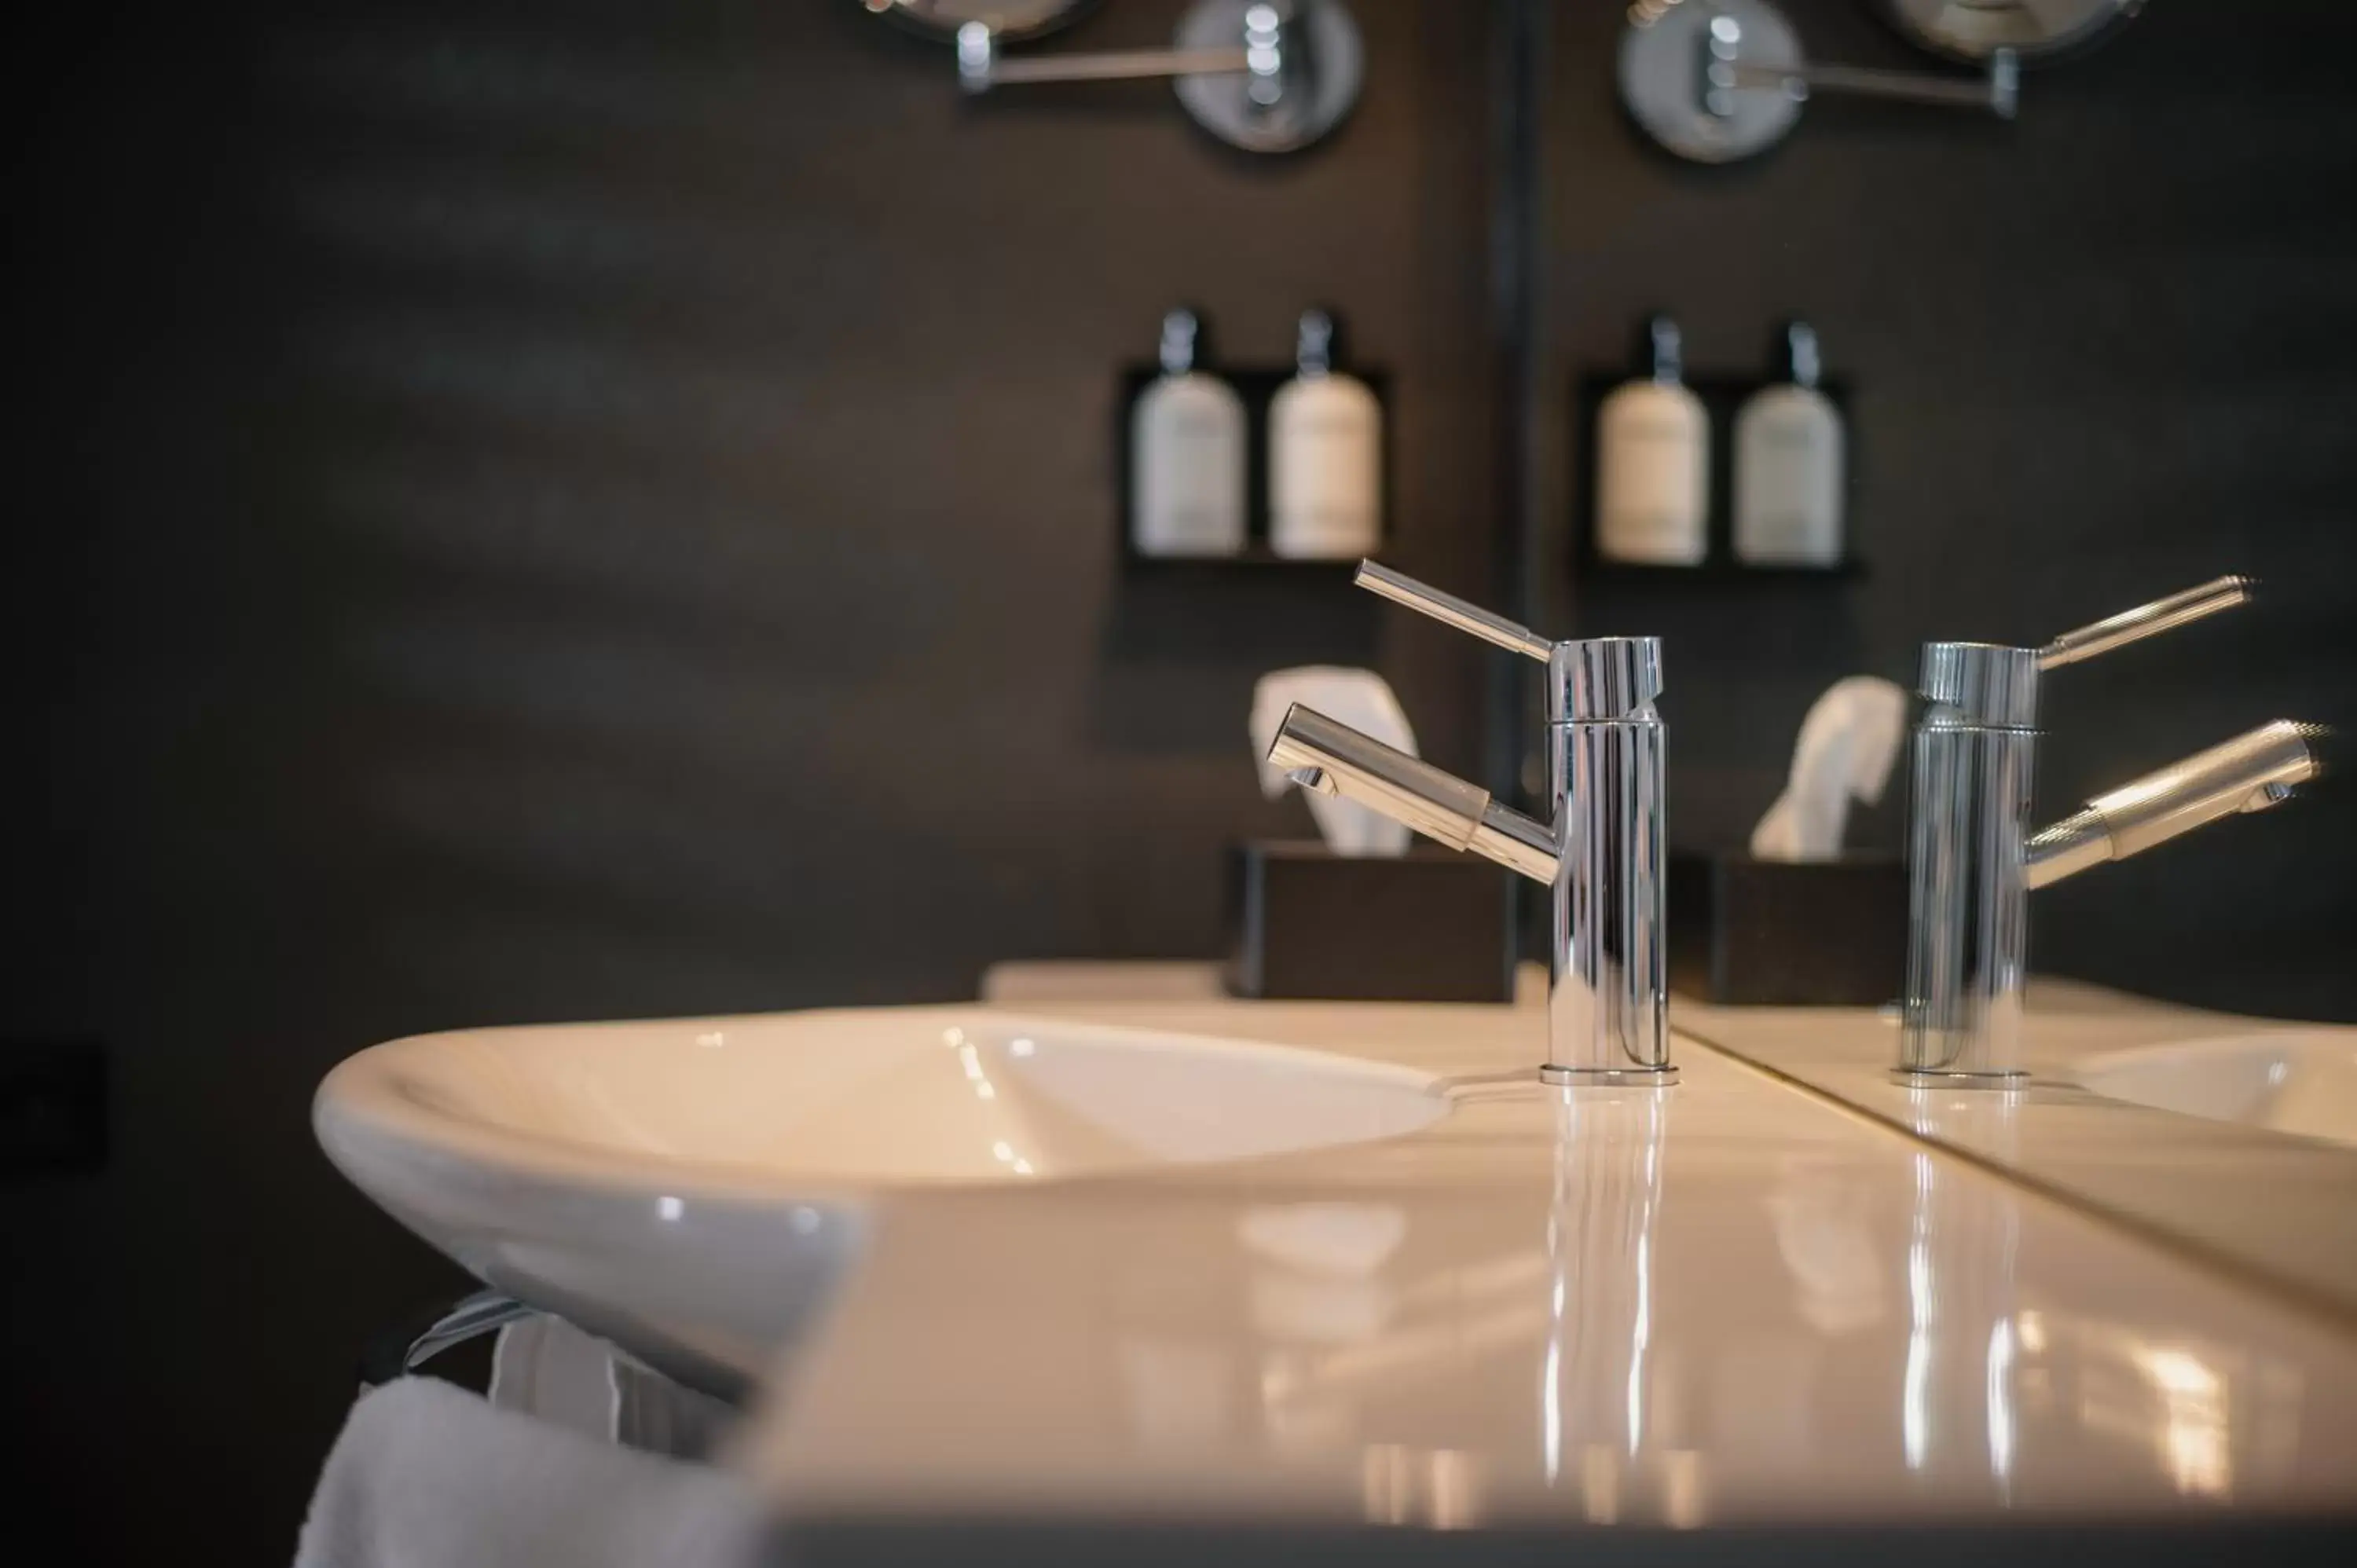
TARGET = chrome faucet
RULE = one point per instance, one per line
(1601, 851)
(1972, 860)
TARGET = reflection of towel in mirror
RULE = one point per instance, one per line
(425, 1474)
(1847, 747)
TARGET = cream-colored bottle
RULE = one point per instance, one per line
(1188, 485)
(1653, 465)
(1325, 455)
(1788, 467)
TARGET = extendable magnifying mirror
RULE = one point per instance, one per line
(1720, 81)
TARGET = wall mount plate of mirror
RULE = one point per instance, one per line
(1719, 80)
(2035, 30)
(1268, 76)
(1013, 21)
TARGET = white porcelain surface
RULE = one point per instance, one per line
(694, 1186)
(2303, 1082)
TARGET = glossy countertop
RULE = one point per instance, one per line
(2280, 1211)
(1731, 1301)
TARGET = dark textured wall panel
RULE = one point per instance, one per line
(572, 510)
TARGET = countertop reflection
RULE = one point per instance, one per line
(1725, 1302)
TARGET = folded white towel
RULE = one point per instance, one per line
(425, 1474)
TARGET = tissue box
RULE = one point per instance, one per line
(1428, 926)
(1788, 933)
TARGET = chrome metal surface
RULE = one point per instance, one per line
(1715, 81)
(469, 1318)
(2146, 621)
(1180, 331)
(1982, 682)
(1971, 862)
(2249, 773)
(1332, 759)
(1450, 610)
(1661, 1077)
(1968, 909)
(1601, 849)
(980, 66)
(2035, 29)
(1608, 677)
(1999, 91)
(1306, 68)
(1675, 74)
(1269, 76)
(1608, 1003)
(1801, 352)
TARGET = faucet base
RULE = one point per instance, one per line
(1608, 1076)
(1933, 1077)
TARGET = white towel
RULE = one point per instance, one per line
(426, 1475)
(1360, 698)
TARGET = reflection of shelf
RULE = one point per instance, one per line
(1257, 385)
(1593, 568)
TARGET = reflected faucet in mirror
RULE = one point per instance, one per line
(1973, 861)
(1600, 850)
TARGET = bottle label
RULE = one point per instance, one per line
(1787, 486)
(1650, 486)
(1186, 482)
(1326, 474)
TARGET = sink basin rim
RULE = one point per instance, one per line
(367, 1113)
(2251, 1067)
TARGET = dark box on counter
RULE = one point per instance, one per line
(1828, 933)
(1429, 926)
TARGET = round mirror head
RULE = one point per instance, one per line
(1678, 72)
(2033, 29)
(1009, 20)
(1305, 66)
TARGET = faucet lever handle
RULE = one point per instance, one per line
(2145, 620)
(1450, 610)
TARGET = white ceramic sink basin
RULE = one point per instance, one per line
(692, 1188)
(2302, 1081)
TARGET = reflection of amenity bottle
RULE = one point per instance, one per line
(1187, 456)
(1653, 465)
(1325, 455)
(1788, 467)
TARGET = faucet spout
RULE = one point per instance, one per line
(1332, 759)
(2248, 773)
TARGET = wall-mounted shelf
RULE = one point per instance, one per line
(1257, 386)
(1722, 396)
(1255, 557)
